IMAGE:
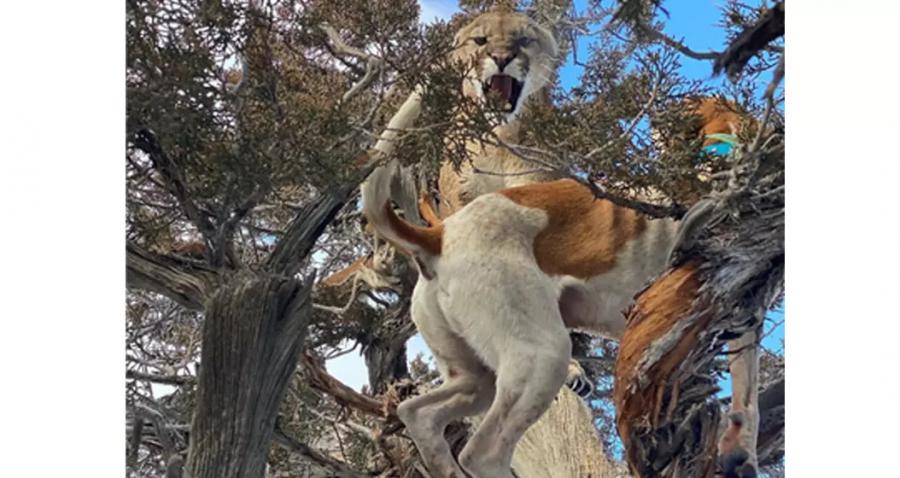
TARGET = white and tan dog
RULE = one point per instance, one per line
(500, 282)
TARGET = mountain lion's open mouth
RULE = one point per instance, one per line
(506, 88)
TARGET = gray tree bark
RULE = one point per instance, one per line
(770, 442)
(252, 335)
(185, 282)
(385, 359)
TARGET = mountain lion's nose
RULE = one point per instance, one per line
(502, 59)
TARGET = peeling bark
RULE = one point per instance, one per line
(664, 392)
(649, 376)
(253, 332)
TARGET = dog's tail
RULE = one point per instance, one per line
(422, 243)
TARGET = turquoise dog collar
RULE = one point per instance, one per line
(726, 143)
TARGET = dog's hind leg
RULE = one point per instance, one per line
(465, 393)
(468, 389)
(531, 371)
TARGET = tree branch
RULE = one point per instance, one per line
(373, 64)
(185, 282)
(322, 381)
(751, 41)
(675, 44)
(652, 210)
(335, 468)
(229, 226)
(301, 234)
(164, 379)
(175, 182)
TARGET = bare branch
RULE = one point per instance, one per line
(186, 282)
(321, 380)
(402, 120)
(175, 182)
(769, 96)
(751, 41)
(164, 379)
(675, 44)
(374, 64)
(340, 46)
(340, 311)
(336, 468)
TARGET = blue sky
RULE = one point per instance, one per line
(694, 21)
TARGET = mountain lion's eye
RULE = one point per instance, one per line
(480, 40)
(524, 41)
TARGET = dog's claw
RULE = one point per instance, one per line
(578, 381)
(736, 464)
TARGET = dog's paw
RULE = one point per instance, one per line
(577, 380)
(735, 461)
(736, 464)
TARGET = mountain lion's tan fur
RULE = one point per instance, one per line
(531, 52)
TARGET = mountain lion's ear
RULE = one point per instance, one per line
(546, 38)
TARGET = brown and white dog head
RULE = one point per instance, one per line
(506, 54)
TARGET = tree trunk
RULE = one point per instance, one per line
(386, 362)
(563, 444)
(384, 346)
(252, 335)
(666, 412)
